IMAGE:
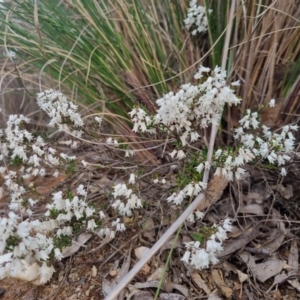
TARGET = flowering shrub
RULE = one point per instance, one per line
(29, 245)
(182, 115)
(196, 18)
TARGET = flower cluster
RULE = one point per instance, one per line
(69, 207)
(25, 244)
(140, 120)
(200, 258)
(196, 18)
(191, 190)
(19, 145)
(61, 111)
(191, 108)
(28, 243)
(132, 201)
(256, 141)
(181, 115)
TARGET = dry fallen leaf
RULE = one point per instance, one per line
(256, 209)
(277, 222)
(218, 278)
(238, 243)
(285, 192)
(253, 197)
(170, 244)
(277, 295)
(293, 262)
(149, 234)
(141, 251)
(242, 276)
(270, 117)
(113, 273)
(262, 271)
(276, 240)
(164, 296)
(145, 270)
(145, 295)
(156, 275)
(200, 282)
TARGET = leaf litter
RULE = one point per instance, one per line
(251, 256)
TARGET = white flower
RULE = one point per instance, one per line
(280, 160)
(283, 172)
(235, 83)
(191, 218)
(121, 227)
(218, 171)
(89, 211)
(272, 103)
(35, 172)
(200, 168)
(132, 179)
(91, 225)
(199, 214)
(180, 154)
(101, 215)
(227, 224)
(239, 173)
(213, 246)
(117, 221)
(46, 273)
(84, 163)
(67, 157)
(186, 257)
(81, 191)
(238, 132)
(200, 259)
(129, 153)
(58, 255)
(218, 153)
(56, 173)
(194, 136)
(294, 127)
(98, 120)
(173, 153)
(221, 234)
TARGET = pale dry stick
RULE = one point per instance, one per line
(191, 208)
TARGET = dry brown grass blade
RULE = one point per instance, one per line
(292, 104)
(265, 46)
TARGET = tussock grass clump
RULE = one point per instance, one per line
(112, 55)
